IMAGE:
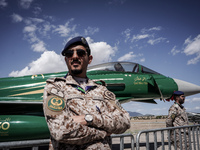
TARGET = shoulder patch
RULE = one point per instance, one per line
(109, 95)
(55, 103)
(173, 116)
(51, 80)
(60, 79)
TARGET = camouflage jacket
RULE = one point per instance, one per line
(177, 116)
(64, 98)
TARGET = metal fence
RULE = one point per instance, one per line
(163, 138)
(122, 143)
(32, 144)
(37, 144)
(155, 139)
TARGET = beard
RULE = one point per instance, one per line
(181, 101)
(76, 71)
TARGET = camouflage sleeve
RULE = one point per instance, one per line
(171, 116)
(115, 119)
(61, 125)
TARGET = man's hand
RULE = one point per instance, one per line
(79, 119)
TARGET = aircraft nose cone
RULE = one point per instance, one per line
(187, 88)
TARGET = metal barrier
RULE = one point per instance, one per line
(150, 139)
(122, 136)
(190, 137)
(35, 144)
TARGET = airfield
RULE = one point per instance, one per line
(144, 124)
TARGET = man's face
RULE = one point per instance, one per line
(77, 60)
(181, 99)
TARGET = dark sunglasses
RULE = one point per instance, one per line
(79, 52)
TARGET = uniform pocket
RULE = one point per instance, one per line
(76, 104)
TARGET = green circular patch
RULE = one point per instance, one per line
(56, 104)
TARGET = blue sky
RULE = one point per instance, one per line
(161, 35)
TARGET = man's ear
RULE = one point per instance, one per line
(90, 59)
(65, 59)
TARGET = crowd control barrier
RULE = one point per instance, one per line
(155, 139)
(161, 138)
(43, 144)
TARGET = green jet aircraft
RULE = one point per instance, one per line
(21, 99)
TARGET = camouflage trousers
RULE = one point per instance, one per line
(104, 144)
(181, 141)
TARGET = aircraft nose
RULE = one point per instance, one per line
(187, 88)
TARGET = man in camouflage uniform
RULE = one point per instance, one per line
(177, 117)
(81, 114)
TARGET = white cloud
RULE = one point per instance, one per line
(155, 41)
(158, 110)
(65, 30)
(48, 62)
(197, 108)
(29, 34)
(45, 28)
(193, 48)
(127, 57)
(101, 51)
(31, 28)
(131, 57)
(147, 35)
(25, 3)
(16, 18)
(38, 25)
(91, 31)
(127, 34)
(3, 3)
(37, 10)
(36, 20)
(39, 46)
(174, 51)
(151, 29)
(195, 99)
(142, 60)
(37, 28)
(139, 37)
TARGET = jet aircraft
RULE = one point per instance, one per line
(21, 113)
(194, 117)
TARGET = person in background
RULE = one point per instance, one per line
(80, 113)
(177, 116)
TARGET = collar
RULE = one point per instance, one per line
(179, 105)
(71, 81)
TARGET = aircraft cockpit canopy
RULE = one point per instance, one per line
(122, 67)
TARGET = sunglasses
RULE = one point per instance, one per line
(79, 52)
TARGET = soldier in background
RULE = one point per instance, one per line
(81, 114)
(177, 117)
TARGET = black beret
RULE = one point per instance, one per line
(77, 41)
